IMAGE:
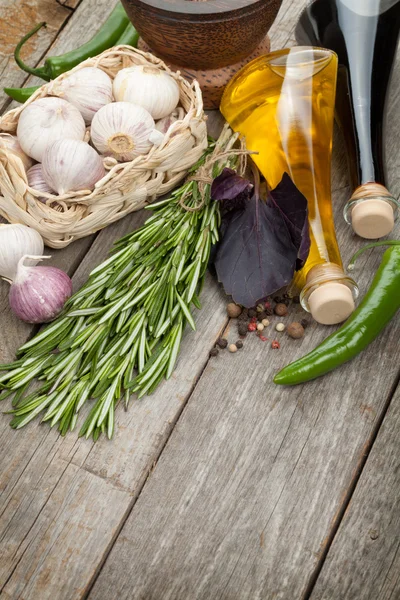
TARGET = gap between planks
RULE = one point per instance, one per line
(170, 431)
(19, 78)
(352, 488)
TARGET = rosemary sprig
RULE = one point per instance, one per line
(121, 332)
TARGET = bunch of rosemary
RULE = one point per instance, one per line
(121, 332)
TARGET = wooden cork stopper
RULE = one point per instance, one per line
(372, 215)
(372, 219)
(331, 303)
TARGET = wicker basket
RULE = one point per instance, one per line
(126, 187)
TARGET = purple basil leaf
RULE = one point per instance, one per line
(229, 185)
(293, 206)
(231, 190)
(256, 256)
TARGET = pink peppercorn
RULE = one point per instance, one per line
(263, 338)
(275, 345)
(252, 326)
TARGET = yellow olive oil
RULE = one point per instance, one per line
(283, 103)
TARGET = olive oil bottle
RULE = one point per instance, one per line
(283, 103)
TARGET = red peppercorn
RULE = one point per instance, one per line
(275, 345)
(252, 326)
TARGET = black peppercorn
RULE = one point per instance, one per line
(278, 299)
(296, 299)
(252, 313)
(242, 329)
(222, 342)
(239, 344)
(214, 352)
(268, 312)
(304, 323)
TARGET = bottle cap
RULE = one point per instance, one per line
(331, 303)
(372, 218)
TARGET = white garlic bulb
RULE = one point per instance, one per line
(37, 181)
(45, 121)
(149, 87)
(12, 144)
(71, 165)
(122, 130)
(16, 240)
(88, 89)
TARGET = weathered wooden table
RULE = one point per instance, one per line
(221, 485)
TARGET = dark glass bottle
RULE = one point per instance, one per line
(364, 34)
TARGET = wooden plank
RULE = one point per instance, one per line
(82, 24)
(364, 559)
(38, 533)
(19, 17)
(253, 477)
(69, 3)
(51, 548)
(282, 30)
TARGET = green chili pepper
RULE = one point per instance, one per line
(129, 37)
(378, 307)
(21, 94)
(105, 38)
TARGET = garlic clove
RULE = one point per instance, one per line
(38, 294)
(12, 144)
(71, 165)
(45, 121)
(156, 137)
(17, 240)
(149, 87)
(122, 130)
(88, 89)
(37, 181)
(165, 123)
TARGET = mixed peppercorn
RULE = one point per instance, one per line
(257, 319)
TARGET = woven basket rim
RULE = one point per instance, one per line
(153, 173)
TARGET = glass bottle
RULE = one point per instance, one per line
(283, 103)
(364, 34)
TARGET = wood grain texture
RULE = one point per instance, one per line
(247, 488)
(364, 560)
(199, 37)
(83, 23)
(242, 501)
(40, 534)
(17, 18)
(69, 3)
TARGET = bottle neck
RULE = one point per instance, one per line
(370, 190)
